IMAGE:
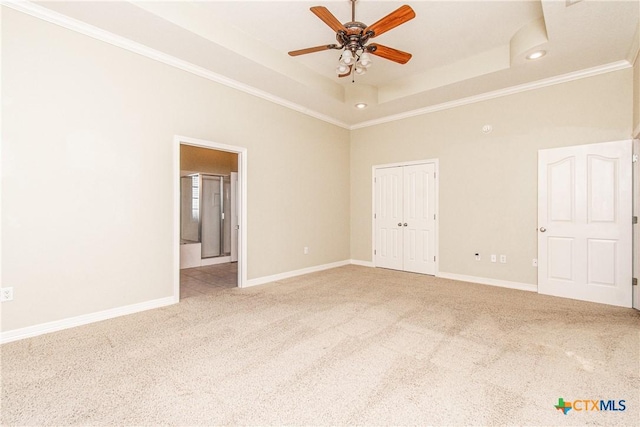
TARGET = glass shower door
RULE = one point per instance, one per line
(211, 216)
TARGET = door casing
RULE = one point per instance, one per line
(636, 227)
(242, 202)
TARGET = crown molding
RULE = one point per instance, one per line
(48, 15)
(576, 75)
(56, 18)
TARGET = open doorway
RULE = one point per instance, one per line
(210, 217)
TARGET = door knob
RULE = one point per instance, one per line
(542, 229)
(405, 224)
(399, 224)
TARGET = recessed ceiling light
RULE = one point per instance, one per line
(537, 54)
(361, 105)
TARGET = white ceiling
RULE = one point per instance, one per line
(460, 49)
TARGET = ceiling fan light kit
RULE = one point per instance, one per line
(353, 38)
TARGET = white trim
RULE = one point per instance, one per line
(72, 322)
(48, 15)
(636, 132)
(1, 171)
(411, 163)
(436, 236)
(576, 75)
(242, 219)
(635, 268)
(488, 281)
(361, 263)
(281, 276)
(471, 279)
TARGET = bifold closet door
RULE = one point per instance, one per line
(405, 218)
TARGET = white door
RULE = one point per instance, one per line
(405, 218)
(636, 226)
(234, 216)
(419, 218)
(388, 195)
(584, 222)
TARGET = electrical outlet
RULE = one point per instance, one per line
(534, 263)
(503, 259)
(6, 294)
(477, 257)
(493, 258)
(305, 250)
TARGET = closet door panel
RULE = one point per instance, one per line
(389, 229)
(419, 217)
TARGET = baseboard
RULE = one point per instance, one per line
(472, 279)
(488, 281)
(361, 263)
(275, 277)
(58, 325)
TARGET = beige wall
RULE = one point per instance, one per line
(196, 159)
(87, 186)
(488, 183)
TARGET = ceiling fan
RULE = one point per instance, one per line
(352, 38)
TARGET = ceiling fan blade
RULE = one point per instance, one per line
(328, 18)
(311, 50)
(389, 53)
(392, 20)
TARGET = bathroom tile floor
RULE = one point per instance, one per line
(209, 279)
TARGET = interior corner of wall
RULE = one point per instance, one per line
(632, 56)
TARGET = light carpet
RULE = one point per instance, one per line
(351, 345)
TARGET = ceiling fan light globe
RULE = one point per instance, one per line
(360, 70)
(365, 60)
(347, 57)
(341, 69)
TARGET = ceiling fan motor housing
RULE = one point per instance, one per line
(354, 37)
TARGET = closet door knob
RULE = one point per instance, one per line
(399, 224)
(405, 224)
